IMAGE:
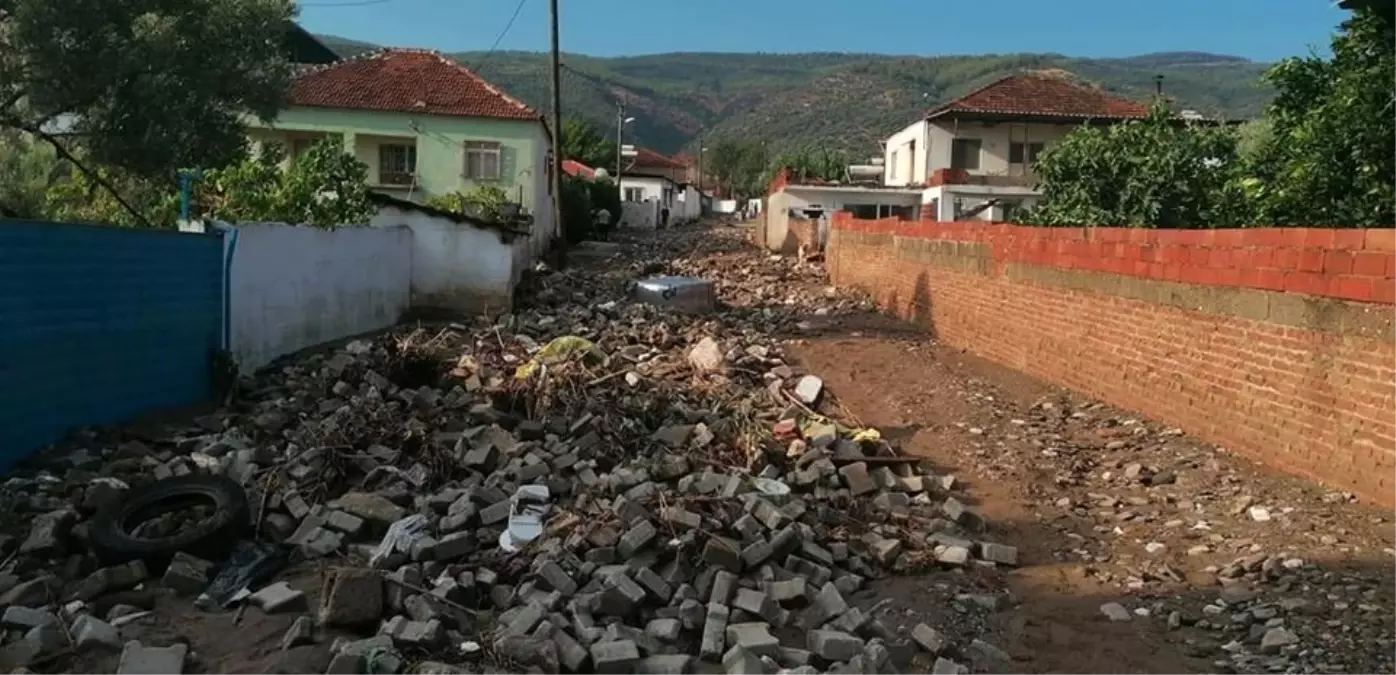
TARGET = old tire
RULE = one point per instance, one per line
(109, 533)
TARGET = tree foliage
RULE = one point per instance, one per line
(27, 169)
(583, 142)
(102, 194)
(1155, 172)
(486, 201)
(740, 167)
(150, 85)
(323, 187)
(1329, 157)
(1324, 154)
(813, 165)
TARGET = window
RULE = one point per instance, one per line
(1018, 152)
(397, 164)
(964, 154)
(482, 160)
(894, 164)
(634, 194)
(300, 146)
(862, 211)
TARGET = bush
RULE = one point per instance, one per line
(1153, 172)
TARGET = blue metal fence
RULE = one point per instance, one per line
(99, 325)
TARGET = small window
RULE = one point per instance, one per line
(300, 146)
(634, 194)
(894, 164)
(397, 164)
(964, 154)
(1034, 149)
(482, 160)
(1019, 152)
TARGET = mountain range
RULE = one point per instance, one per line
(839, 102)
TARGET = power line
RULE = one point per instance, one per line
(478, 69)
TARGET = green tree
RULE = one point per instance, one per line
(740, 167)
(1155, 172)
(583, 142)
(149, 85)
(813, 164)
(27, 169)
(324, 187)
(486, 201)
(1329, 157)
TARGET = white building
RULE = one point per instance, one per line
(982, 146)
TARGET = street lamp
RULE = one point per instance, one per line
(621, 121)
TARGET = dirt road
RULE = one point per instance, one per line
(1109, 507)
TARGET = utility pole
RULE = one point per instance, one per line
(700, 162)
(557, 125)
(620, 144)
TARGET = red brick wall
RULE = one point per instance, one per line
(1274, 343)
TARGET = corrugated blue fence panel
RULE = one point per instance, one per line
(99, 325)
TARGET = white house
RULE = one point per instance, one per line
(654, 183)
(982, 146)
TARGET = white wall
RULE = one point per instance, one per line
(690, 203)
(776, 219)
(724, 206)
(460, 266)
(295, 287)
(993, 159)
(943, 197)
(544, 228)
(640, 215)
(653, 188)
(904, 159)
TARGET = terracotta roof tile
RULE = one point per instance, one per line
(405, 80)
(574, 168)
(1049, 94)
(649, 158)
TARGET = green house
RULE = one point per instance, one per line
(425, 126)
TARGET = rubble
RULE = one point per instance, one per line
(587, 484)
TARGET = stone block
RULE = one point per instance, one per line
(754, 637)
(351, 597)
(714, 638)
(833, 645)
(619, 656)
(137, 659)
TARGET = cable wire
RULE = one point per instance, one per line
(478, 69)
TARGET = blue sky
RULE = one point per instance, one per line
(1263, 30)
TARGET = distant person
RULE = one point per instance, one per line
(664, 217)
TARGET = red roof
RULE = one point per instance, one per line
(1048, 94)
(405, 80)
(654, 160)
(572, 167)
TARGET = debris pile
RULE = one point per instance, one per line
(592, 485)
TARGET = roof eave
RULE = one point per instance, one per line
(396, 111)
(1006, 116)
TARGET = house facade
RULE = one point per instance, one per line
(654, 183)
(424, 125)
(974, 156)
